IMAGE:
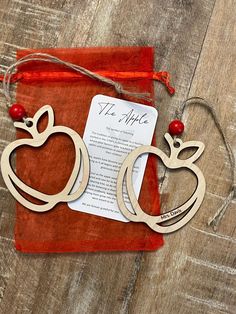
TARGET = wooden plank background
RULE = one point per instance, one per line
(195, 271)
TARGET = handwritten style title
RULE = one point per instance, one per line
(128, 118)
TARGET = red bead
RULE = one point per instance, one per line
(176, 127)
(17, 112)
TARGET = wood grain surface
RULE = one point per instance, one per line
(195, 271)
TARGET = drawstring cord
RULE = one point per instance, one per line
(9, 76)
(219, 214)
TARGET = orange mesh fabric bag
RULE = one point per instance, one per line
(48, 168)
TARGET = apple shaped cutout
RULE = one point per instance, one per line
(38, 139)
(186, 210)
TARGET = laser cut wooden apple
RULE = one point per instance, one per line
(38, 139)
(190, 207)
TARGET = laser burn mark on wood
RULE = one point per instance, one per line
(170, 214)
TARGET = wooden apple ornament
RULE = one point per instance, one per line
(38, 139)
(190, 207)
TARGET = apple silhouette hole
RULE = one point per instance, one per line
(37, 140)
(166, 221)
(58, 150)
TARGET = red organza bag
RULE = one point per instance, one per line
(48, 168)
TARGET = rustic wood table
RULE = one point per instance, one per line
(195, 271)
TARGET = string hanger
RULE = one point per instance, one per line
(220, 212)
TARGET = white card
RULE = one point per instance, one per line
(114, 128)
